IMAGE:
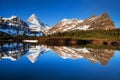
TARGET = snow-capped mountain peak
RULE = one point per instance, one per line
(36, 25)
(12, 17)
(34, 19)
(34, 15)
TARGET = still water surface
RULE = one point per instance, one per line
(23, 61)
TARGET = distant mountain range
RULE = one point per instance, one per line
(33, 26)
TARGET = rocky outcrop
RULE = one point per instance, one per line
(99, 22)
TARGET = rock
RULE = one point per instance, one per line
(0, 20)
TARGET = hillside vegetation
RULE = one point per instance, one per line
(109, 35)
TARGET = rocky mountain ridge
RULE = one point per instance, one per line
(13, 25)
(95, 22)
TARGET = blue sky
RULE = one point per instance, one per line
(52, 11)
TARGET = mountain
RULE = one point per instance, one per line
(65, 25)
(36, 25)
(13, 26)
(95, 22)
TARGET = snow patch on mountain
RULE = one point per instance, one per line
(70, 21)
(68, 24)
(12, 17)
(85, 27)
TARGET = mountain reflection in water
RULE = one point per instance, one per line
(15, 51)
(94, 55)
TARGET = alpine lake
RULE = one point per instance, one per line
(35, 61)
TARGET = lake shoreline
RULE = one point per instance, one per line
(67, 41)
(96, 44)
(76, 41)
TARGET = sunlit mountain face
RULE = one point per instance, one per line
(15, 51)
(94, 22)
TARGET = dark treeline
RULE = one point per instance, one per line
(89, 35)
(110, 35)
(6, 37)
